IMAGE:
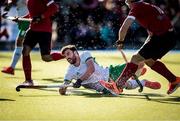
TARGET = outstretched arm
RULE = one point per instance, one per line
(90, 70)
(123, 31)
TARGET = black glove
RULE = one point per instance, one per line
(77, 84)
(119, 44)
(4, 15)
(36, 19)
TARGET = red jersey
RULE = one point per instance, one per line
(150, 17)
(47, 8)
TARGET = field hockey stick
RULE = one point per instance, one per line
(19, 87)
(135, 77)
(17, 19)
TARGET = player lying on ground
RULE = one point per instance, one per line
(22, 26)
(88, 72)
(160, 41)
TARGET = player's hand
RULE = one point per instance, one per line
(36, 19)
(119, 44)
(77, 84)
(15, 19)
(62, 90)
(4, 14)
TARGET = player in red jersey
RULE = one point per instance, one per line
(40, 32)
(158, 43)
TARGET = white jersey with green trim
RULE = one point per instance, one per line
(100, 73)
(21, 7)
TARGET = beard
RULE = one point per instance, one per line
(72, 60)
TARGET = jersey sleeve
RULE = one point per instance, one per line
(52, 8)
(135, 12)
(85, 56)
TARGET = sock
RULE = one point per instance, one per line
(128, 72)
(57, 56)
(132, 84)
(27, 67)
(16, 56)
(160, 68)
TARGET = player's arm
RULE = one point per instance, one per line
(52, 8)
(123, 30)
(90, 70)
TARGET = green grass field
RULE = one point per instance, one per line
(81, 104)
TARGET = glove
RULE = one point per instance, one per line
(119, 44)
(77, 84)
(4, 14)
(36, 19)
(62, 91)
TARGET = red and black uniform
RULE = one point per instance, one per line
(156, 22)
(41, 32)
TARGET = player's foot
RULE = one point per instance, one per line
(143, 71)
(8, 70)
(111, 87)
(173, 86)
(152, 85)
(28, 83)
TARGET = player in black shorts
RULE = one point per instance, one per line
(158, 43)
(39, 33)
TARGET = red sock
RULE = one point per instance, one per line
(128, 72)
(57, 56)
(160, 68)
(26, 61)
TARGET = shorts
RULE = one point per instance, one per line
(42, 38)
(23, 26)
(158, 46)
(115, 71)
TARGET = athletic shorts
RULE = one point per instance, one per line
(114, 73)
(158, 46)
(42, 38)
(23, 26)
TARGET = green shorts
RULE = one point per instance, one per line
(114, 73)
(23, 26)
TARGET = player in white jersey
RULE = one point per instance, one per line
(22, 11)
(88, 72)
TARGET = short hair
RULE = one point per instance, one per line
(71, 47)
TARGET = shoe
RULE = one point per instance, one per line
(143, 71)
(111, 87)
(173, 86)
(28, 83)
(8, 70)
(152, 85)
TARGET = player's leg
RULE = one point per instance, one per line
(23, 26)
(29, 42)
(132, 84)
(161, 45)
(45, 46)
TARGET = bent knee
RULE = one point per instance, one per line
(46, 58)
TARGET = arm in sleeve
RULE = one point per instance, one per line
(90, 69)
(52, 8)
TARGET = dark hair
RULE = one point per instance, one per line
(71, 47)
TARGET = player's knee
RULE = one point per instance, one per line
(46, 58)
(136, 59)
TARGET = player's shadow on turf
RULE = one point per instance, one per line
(55, 80)
(4, 99)
(169, 100)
